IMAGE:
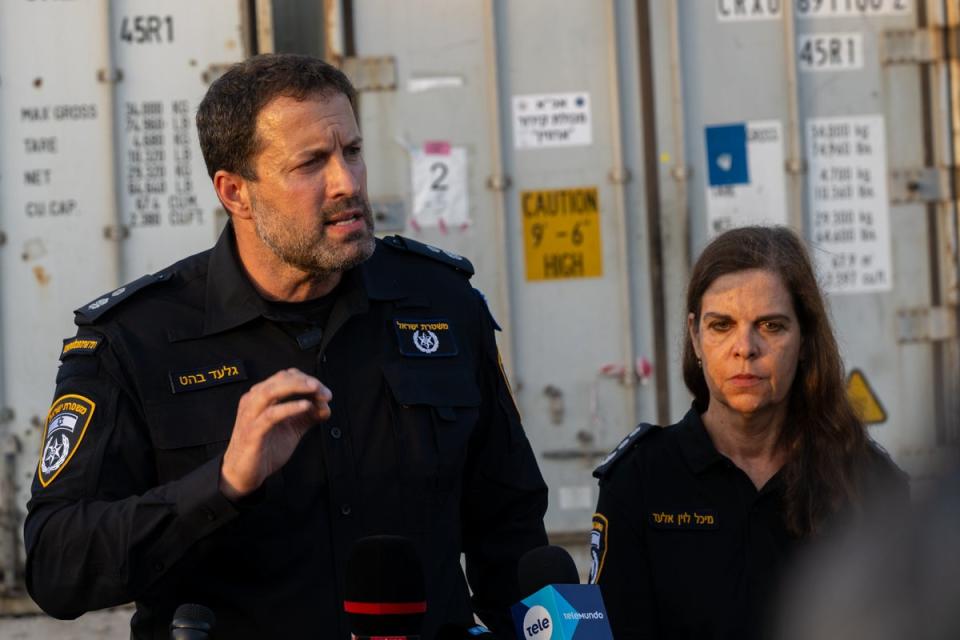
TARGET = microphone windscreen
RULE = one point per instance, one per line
(543, 566)
(384, 592)
(192, 621)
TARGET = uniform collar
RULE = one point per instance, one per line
(695, 442)
(381, 277)
(231, 299)
(700, 453)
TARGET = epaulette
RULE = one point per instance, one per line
(486, 305)
(89, 313)
(625, 445)
(448, 258)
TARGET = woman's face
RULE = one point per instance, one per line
(748, 339)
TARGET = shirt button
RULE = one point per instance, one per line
(209, 514)
(345, 509)
(335, 433)
(158, 566)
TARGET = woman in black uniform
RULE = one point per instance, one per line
(696, 521)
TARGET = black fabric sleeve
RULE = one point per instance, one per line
(100, 532)
(505, 497)
(624, 572)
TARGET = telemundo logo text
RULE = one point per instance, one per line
(583, 615)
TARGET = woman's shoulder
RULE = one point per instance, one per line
(880, 475)
(647, 441)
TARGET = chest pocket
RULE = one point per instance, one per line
(435, 412)
(191, 428)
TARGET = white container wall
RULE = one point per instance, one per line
(580, 154)
(101, 181)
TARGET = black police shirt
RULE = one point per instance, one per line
(684, 545)
(424, 441)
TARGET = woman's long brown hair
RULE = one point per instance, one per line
(824, 439)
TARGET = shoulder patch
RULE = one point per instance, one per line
(448, 258)
(598, 546)
(80, 346)
(90, 312)
(67, 423)
(625, 445)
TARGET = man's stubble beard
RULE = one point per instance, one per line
(307, 250)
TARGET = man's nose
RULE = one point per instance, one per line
(343, 179)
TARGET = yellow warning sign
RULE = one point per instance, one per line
(864, 400)
(561, 233)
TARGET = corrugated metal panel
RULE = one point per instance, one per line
(579, 157)
(102, 180)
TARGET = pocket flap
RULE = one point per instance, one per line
(436, 387)
(191, 424)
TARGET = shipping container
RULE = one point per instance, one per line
(580, 154)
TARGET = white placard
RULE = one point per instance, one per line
(576, 498)
(850, 215)
(838, 8)
(429, 83)
(738, 10)
(552, 120)
(762, 199)
(439, 174)
(830, 51)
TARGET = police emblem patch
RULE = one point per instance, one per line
(425, 338)
(598, 546)
(66, 425)
(426, 341)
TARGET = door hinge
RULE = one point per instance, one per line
(923, 184)
(916, 46)
(927, 324)
(371, 73)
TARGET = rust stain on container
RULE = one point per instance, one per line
(41, 275)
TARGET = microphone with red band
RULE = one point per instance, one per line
(384, 595)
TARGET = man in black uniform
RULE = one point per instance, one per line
(223, 430)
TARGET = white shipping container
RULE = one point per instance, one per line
(101, 181)
(579, 157)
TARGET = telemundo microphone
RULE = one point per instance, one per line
(558, 607)
(192, 622)
(384, 594)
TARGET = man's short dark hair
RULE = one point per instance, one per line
(227, 116)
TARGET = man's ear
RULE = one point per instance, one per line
(233, 192)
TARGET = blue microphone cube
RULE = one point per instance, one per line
(562, 612)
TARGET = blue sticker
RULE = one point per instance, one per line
(727, 155)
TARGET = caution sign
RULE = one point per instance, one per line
(864, 400)
(561, 230)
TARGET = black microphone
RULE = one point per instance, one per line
(192, 622)
(544, 566)
(384, 594)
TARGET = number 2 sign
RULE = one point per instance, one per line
(439, 174)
